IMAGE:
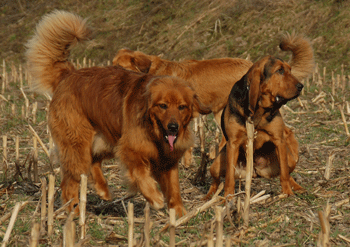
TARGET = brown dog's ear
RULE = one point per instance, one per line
(141, 62)
(198, 108)
(255, 77)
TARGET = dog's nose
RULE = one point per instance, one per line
(300, 86)
(173, 127)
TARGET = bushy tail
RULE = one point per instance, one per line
(48, 51)
(302, 62)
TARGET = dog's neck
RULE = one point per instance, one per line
(239, 102)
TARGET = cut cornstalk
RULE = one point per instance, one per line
(43, 204)
(82, 205)
(147, 225)
(172, 221)
(51, 199)
(11, 224)
(131, 224)
(34, 235)
(219, 226)
(249, 170)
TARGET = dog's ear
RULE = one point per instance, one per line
(141, 62)
(199, 108)
(255, 77)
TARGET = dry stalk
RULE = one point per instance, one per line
(63, 208)
(323, 238)
(11, 224)
(4, 156)
(51, 199)
(17, 149)
(35, 235)
(43, 204)
(228, 241)
(333, 83)
(69, 231)
(249, 170)
(13, 109)
(273, 221)
(344, 121)
(344, 238)
(219, 226)
(195, 211)
(82, 242)
(20, 76)
(131, 224)
(3, 98)
(342, 202)
(172, 220)
(34, 110)
(35, 160)
(39, 140)
(3, 76)
(82, 205)
(147, 225)
(8, 215)
(211, 236)
(327, 172)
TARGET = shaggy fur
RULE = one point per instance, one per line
(99, 113)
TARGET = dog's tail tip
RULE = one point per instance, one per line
(302, 61)
(47, 51)
(290, 41)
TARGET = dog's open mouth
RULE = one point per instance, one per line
(171, 139)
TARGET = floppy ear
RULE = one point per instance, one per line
(142, 62)
(255, 77)
(198, 108)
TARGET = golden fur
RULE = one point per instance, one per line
(101, 112)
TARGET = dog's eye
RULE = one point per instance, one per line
(182, 107)
(281, 71)
(163, 106)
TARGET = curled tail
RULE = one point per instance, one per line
(48, 50)
(302, 62)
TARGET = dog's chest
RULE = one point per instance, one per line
(261, 136)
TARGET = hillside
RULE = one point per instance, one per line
(189, 29)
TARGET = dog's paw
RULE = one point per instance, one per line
(157, 202)
(180, 210)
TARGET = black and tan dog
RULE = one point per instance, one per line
(260, 93)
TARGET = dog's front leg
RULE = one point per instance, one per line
(170, 186)
(281, 149)
(232, 152)
(141, 178)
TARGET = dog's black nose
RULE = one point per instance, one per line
(173, 127)
(300, 86)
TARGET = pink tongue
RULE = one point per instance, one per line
(171, 140)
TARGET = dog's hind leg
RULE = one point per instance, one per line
(73, 136)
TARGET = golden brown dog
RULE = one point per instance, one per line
(97, 113)
(260, 93)
(213, 79)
